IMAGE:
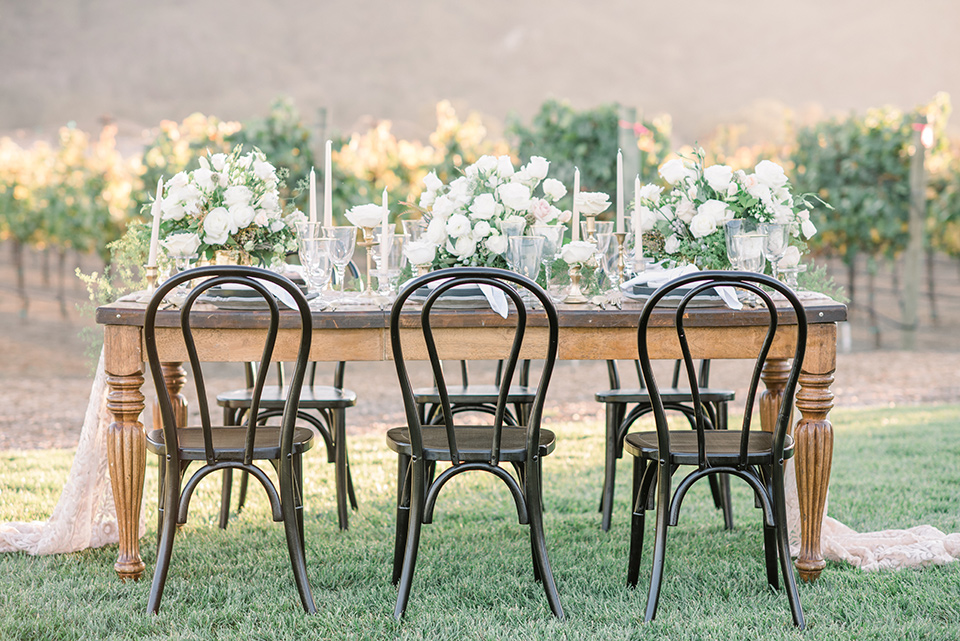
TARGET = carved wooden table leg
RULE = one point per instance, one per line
(814, 442)
(127, 447)
(775, 373)
(175, 377)
(127, 458)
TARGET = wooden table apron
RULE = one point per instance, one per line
(585, 334)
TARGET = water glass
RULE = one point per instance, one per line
(414, 229)
(514, 227)
(776, 240)
(317, 265)
(524, 254)
(341, 252)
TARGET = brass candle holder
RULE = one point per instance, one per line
(151, 272)
(368, 243)
(574, 294)
(621, 237)
(591, 228)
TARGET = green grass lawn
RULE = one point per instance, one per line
(892, 468)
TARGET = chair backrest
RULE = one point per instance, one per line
(258, 280)
(508, 282)
(691, 286)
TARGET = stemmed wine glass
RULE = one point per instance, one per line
(745, 248)
(524, 254)
(552, 241)
(317, 266)
(775, 242)
(341, 253)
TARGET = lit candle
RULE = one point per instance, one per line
(327, 188)
(313, 196)
(384, 239)
(637, 231)
(619, 190)
(155, 232)
(576, 210)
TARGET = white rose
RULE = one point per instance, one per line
(485, 164)
(443, 206)
(242, 215)
(537, 167)
(427, 199)
(592, 202)
(577, 251)
(686, 211)
(672, 245)
(648, 219)
(703, 224)
(369, 215)
(496, 244)
(276, 226)
(514, 196)
(458, 225)
(264, 170)
(431, 182)
(481, 230)
(807, 228)
(294, 217)
(718, 177)
(237, 195)
(484, 207)
(204, 177)
(171, 209)
(673, 171)
(216, 226)
(185, 244)
(261, 219)
(666, 212)
(420, 252)
(465, 247)
(270, 201)
(218, 161)
(504, 166)
(564, 217)
(716, 209)
(436, 231)
(770, 174)
(791, 258)
(460, 191)
(732, 190)
(650, 193)
(553, 189)
(179, 180)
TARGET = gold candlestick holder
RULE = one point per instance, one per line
(423, 270)
(591, 228)
(151, 273)
(574, 295)
(368, 243)
(621, 237)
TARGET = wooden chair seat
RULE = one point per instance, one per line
(229, 443)
(722, 446)
(473, 443)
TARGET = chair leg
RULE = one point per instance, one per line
(609, 467)
(660, 539)
(415, 520)
(298, 493)
(403, 514)
(540, 560)
(225, 488)
(350, 492)
(160, 491)
(289, 482)
(340, 474)
(770, 556)
(637, 522)
(786, 565)
(168, 530)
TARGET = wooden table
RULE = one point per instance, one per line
(586, 333)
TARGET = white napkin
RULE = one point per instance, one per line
(278, 292)
(656, 277)
(495, 297)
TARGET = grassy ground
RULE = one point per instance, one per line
(474, 576)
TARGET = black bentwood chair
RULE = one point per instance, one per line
(321, 406)
(228, 447)
(620, 417)
(473, 448)
(478, 398)
(755, 456)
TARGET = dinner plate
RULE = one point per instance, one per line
(244, 301)
(460, 297)
(707, 298)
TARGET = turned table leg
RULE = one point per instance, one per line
(813, 436)
(127, 459)
(775, 373)
(175, 377)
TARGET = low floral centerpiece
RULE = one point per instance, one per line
(465, 217)
(230, 203)
(685, 223)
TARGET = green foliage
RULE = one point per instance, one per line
(287, 144)
(587, 140)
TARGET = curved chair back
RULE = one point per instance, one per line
(258, 280)
(444, 280)
(691, 286)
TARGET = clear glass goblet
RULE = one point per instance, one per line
(552, 241)
(317, 266)
(776, 239)
(341, 253)
(524, 253)
(510, 228)
(414, 229)
(383, 245)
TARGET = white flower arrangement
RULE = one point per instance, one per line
(687, 222)
(464, 217)
(370, 215)
(578, 251)
(230, 202)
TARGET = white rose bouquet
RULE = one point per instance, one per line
(464, 217)
(230, 202)
(686, 224)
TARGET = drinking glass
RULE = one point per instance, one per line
(552, 241)
(524, 254)
(775, 242)
(414, 229)
(511, 228)
(600, 227)
(609, 254)
(341, 253)
(396, 262)
(317, 266)
(382, 240)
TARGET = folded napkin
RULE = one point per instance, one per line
(657, 277)
(495, 297)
